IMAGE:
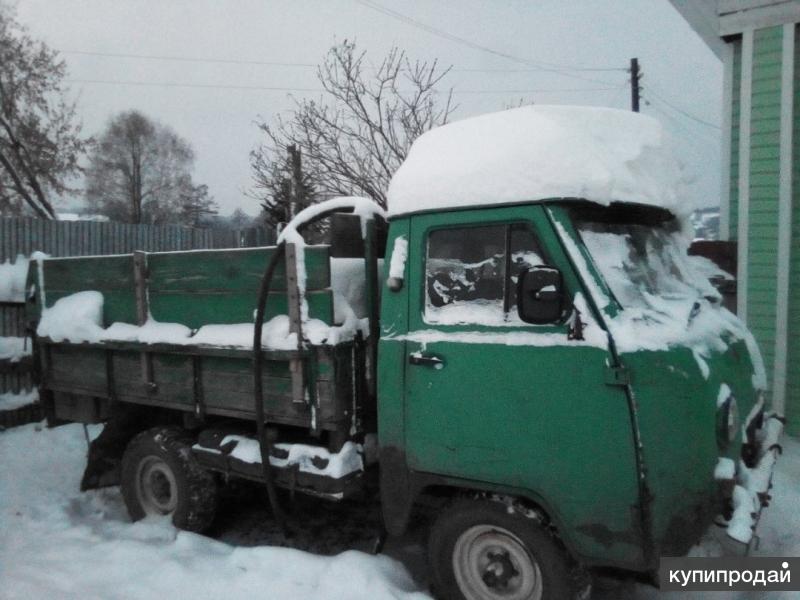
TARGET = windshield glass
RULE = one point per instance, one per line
(638, 262)
(645, 265)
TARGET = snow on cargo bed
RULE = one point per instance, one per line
(79, 317)
(535, 153)
(58, 543)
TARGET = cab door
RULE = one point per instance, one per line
(490, 398)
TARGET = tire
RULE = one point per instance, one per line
(161, 477)
(479, 551)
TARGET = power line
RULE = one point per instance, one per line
(700, 134)
(541, 66)
(234, 61)
(174, 84)
(227, 61)
(683, 112)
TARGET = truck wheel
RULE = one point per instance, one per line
(161, 477)
(478, 551)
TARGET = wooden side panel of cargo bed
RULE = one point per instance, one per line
(112, 276)
(220, 286)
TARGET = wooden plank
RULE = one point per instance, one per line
(207, 271)
(270, 355)
(194, 311)
(142, 312)
(294, 301)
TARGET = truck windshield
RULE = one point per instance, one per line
(645, 262)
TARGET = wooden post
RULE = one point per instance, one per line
(294, 300)
(143, 311)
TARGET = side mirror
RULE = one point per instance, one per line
(540, 295)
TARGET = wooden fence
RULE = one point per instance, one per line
(23, 236)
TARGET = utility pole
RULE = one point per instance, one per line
(635, 89)
(298, 198)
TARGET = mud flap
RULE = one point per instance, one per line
(103, 463)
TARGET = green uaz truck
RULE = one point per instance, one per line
(520, 344)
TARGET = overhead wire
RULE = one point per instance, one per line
(309, 89)
(234, 61)
(660, 97)
(562, 70)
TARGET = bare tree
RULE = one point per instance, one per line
(139, 171)
(355, 137)
(40, 142)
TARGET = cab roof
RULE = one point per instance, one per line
(536, 153)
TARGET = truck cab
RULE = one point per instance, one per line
(561, 356)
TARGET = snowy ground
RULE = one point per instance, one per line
(56, 542)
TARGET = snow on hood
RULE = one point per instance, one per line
(538, 152)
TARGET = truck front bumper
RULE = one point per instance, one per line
(750, 492)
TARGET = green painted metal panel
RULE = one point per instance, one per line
(533, 417)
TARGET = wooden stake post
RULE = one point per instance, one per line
(295, 322)
(143, 311)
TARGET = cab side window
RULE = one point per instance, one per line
(471, 273)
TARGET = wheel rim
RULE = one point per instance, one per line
(156, 488)
(492, 563)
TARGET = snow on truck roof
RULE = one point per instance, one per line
(538, 152)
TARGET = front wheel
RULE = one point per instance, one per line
(161, 477)
(478, 551)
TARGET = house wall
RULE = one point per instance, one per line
(735, 99)
(764, 199)
(762, 213)
(793, 321)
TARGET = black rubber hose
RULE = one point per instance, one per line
(258, 395)
(258, 366)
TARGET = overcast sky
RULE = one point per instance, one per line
(682, 77)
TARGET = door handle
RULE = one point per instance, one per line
(425, 360)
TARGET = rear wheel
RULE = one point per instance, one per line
(161, 477)
(478, 551)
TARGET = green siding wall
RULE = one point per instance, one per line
(736, 80)
(793, 358)
(764, 177)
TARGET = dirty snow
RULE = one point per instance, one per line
(14, 348)
(347, 460)
(11, 401)
(58, 543)
(539, 152)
